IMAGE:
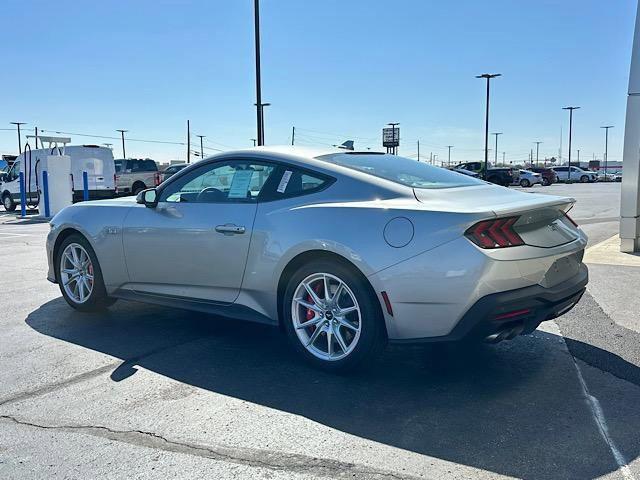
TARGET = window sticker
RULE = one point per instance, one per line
(286, 176)
(240, 184)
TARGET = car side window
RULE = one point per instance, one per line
(220, 182)
(14, 172)
(292, 182)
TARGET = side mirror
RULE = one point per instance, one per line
(148, 197)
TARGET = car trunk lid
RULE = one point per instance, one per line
(542, 219)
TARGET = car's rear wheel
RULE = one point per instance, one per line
(79, 275)
(545, 182)
(332, 317)
(525, 183)
(584, 179)
(8, 203)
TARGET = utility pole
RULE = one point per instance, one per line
(17, 124)
(495, 161)
(449, 157)
(124, 152)
(418, 150)
(254, 141)
(201, 147)
(488, 76)
(258, 104)
(503, 154)
(293, 135)
(578, 157)
(36, 137)
(537, 152)
(571, 109)
(606, 149)
(188, 142)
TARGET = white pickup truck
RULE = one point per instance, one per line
(136, 174)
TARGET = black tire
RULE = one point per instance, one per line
(373, 336)
(524, 183)
(545, 182)
(138, 187)
(8, 203)
(584, 179)
(98, 300)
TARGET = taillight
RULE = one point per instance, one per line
(497, 233)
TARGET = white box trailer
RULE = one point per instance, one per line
(97, 161)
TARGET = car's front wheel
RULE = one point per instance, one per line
(584, 179)
(524, 183)
(79, 275)
(332, 317)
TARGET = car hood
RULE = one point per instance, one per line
(488, 199)
(111, 202)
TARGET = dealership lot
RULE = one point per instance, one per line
(145, 391)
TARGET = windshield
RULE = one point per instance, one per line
(402, 170)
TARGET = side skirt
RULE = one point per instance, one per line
(233, 310)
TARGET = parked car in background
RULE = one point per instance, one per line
(504, 176)
(527, 178)
(549, 176)
(617, 177)
(421, 254)
(172, 170)
(577, 174)
(136, 174)
(606, 177)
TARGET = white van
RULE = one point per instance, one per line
(95, 160)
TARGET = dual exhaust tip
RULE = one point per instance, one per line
(506, 333)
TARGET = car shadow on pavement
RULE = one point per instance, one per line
(515, 409)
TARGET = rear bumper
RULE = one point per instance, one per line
(501, 315)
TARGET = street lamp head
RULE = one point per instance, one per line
(496, 133)
(570, 108)
(393, 124)
(122, 131)
(607, 126)
(489, 75)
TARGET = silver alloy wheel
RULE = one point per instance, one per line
(76, 273)
(326, 316)
(7, 202)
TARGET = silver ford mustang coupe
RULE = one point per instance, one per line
(344, 250)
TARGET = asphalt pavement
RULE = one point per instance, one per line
(153, 392)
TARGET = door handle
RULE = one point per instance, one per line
(230, 229)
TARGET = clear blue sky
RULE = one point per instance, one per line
(342, 68)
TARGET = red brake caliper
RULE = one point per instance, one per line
(310, 313)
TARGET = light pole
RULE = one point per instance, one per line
(394, 150)
(495, 161)
(17, 124)
(571, 109)
(449, 157)
(201, 147)
(261, 132)
(259, 105)
(537, 151)
(122, 132)
(254, 141)
(488, 76)
(606, 149)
